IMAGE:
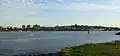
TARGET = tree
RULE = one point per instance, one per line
(28, 28)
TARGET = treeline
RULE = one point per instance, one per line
(59, 28)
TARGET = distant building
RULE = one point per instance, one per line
(102, 29)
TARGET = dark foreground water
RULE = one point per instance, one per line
(12, 43)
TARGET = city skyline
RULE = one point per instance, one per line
(59, 12)
(74, 27)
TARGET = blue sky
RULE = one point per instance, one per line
(60, 12)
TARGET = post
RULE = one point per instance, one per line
(88, 31)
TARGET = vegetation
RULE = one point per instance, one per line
(98, 49)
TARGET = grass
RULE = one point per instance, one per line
(98, 49)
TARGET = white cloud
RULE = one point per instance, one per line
(81, 7)
(27, 11)
(117, 2)
(26, 4)
(86, 6)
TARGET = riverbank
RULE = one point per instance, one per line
(98, 49)
(91, 49)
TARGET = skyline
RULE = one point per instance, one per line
(58, 28)
(59, 12)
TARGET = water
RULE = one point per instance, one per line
(12, 43)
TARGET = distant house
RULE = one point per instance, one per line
(101, 29)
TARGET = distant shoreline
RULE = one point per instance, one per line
(58, 28)
(53, 31)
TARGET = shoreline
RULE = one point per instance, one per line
(92, 49)
(56, 31)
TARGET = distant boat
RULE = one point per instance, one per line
(117, 33)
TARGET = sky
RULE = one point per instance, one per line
(60, 12)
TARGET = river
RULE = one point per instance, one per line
(12, 43)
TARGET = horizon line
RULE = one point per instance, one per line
(51, 25)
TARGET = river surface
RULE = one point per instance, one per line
(12, 43)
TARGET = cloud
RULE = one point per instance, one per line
(29, 9)
(81, 7)
(48, 4)
(58, 11)
(86, 6)
(117, 2)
